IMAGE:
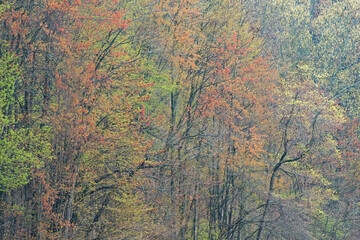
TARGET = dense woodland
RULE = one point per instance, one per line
(185, 119)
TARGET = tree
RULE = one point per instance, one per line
(79, 85)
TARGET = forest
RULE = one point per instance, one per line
(180, 119)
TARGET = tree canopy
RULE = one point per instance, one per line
(187, 119)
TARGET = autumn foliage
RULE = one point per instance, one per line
(176, 120)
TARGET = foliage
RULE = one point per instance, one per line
(179, 119)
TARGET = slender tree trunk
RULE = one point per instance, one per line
(70, 204)
(267, 204)
(195, 219)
